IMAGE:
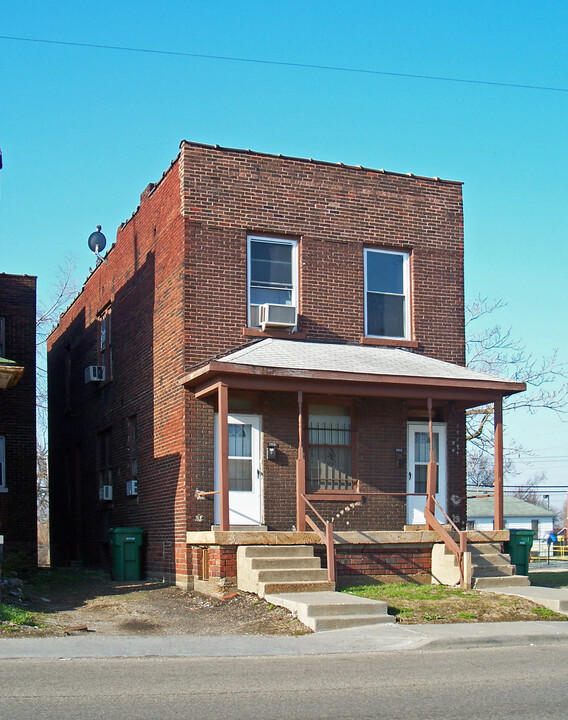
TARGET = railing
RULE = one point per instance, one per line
(457, 550)
(542, 552)
(325, 535)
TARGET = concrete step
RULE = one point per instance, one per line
(493, 570)
(322, 611)
(492, 560)
(298, 563)
(502, 581)
(270, 588)
(341, 622)
(484, 548)
(274, 551)
(286, 575)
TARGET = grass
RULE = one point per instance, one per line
(414, 603)
(550, 579)
(17, 617)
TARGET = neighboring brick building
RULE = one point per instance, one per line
(18, 503)
(225, 242)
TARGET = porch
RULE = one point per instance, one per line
(417, 392)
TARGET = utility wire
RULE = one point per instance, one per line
(282, 63)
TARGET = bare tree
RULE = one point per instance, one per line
(494, 349)
(529, 491)
(62, 292)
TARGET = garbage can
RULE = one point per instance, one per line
(126, 547)
(519, 548)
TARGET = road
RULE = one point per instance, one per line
(517, 683)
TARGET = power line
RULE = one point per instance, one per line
(283, 63)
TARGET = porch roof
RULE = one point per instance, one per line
(10, 373)
(346, 369)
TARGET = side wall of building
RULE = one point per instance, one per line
(18, 503)
(141, 290)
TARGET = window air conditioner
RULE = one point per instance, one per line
(132, 487)
(277, 316)
(105, 492)
(94, 373)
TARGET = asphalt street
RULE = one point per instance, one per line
(525, 682)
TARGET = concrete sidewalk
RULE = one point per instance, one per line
(553, 598)
(377, 638)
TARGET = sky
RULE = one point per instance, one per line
(83, 130)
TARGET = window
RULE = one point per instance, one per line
(422, 459)
(104, 464)
(2, 463)
(330, 448)
(105, 343)
(272, 274)
(386, 294)
(132, 482)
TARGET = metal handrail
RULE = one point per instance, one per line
(326, 536)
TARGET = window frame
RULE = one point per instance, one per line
(405, 254)
(295, 277)
(3, 486)
(133, 437)
(3, 337)
(349, 405)
(104, 470)
(104, 343)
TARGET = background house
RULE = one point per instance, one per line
(517, 513)
(267, 331)
(18, 510)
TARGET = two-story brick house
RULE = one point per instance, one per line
(18, 503)
(272, 331)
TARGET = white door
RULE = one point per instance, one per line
(245, 475)
(418, 456)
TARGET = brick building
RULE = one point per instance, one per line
(18, 508)
(268, 332)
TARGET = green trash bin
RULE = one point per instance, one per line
(126, 545)
(519, 548)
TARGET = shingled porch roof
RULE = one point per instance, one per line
(346, 369)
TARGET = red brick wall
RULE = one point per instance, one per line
(144, 283)
(334, 212)
(360, 562)
(176, 280)
(18, 514)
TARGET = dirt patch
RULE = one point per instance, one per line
(74, 602)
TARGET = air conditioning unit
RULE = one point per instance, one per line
(132, 487)
(277, 316)
(94, 373)
(105, 492)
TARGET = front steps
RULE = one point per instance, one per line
(264, 569)
(493, 569)
(291, 576)
(485, 567)
(321, 611)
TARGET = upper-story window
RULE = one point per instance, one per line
(387, 294)
(2, 463)
(2, 337)
(272, 274)
(105, 343)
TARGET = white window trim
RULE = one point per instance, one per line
(3, 487)
(406, 288)
(277, 241)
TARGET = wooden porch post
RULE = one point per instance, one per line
(431, 476)
(498, 458)
(223, 433)
(300, 469)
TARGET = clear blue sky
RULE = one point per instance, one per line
(84, 130)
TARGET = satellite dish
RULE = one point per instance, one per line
(97, 241)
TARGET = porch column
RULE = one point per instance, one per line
(223, 433)
(432, 470)
(300, 469)
(498, 459)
